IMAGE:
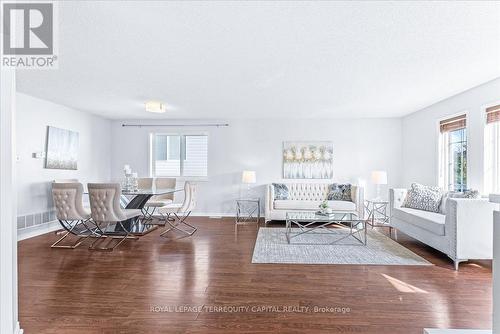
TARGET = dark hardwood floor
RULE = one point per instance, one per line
(79, 291)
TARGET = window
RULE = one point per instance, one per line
(492, 150)
(179, 155)
(453, 154)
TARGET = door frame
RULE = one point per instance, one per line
(8, 196)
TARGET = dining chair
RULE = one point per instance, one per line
(71, 214)
(85, 198)
(146, 183)
(105, 210)
(160, 201)
(181, 212)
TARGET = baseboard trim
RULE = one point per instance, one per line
(212, 214)
(217, 214)
(34, 231)
(455, 331)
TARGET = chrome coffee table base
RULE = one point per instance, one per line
(311, 223)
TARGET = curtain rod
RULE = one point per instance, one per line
(174, 125)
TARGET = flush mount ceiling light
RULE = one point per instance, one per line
(155, 106)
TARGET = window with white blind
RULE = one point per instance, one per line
(492, 150)
(453, 153)
(179, 155)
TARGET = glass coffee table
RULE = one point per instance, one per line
(338, 226)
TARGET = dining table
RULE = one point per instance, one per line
(137, 199)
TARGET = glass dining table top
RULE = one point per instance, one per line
(154, 191)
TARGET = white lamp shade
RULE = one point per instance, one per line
(379, 177)
(248, 177)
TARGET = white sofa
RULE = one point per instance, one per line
(463, 231)
(308, 197)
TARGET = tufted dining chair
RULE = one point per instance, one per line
(105, 210)
(73, 217)
(181, 212)
(146, 183)
(165, 183)
(160, 201)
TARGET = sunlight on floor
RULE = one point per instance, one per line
(402, 286)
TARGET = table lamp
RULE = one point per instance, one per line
(379, 177)
(248, 177)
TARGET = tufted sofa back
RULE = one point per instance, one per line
(67, 199)
(105, 202)
(307, 191)
(303, 192)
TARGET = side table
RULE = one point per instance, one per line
(377, 213)
(247, 210)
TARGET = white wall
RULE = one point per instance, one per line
(420, 139)
(33, 181)
(360, 146)
(496, 272)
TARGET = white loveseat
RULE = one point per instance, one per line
(463, 231)
(308, 197)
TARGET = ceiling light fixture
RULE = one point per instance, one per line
(155, 107)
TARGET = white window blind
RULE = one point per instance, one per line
(493, 114)
(179, 155)
(196, 156)
(492, 150)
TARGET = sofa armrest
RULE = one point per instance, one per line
(269, 205)
(396, 197)
(357, 197)
(469, 227)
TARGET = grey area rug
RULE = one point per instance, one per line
(271, 247)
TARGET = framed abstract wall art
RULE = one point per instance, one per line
(308, 160)
(62, 149)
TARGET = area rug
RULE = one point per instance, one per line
(271, 247)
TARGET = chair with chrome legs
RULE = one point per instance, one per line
(160, 201)
(105, 210)
(146, 183)
(181, 212)
(71, 214)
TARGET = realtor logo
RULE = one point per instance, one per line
(28, 35)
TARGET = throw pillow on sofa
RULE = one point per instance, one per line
(467, 194)
(471, 194)
(339, 192)
(423, 198)
(280, 191)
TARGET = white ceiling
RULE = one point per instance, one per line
(268, 59)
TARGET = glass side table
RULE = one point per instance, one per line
(247, 210)
(377, 213)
